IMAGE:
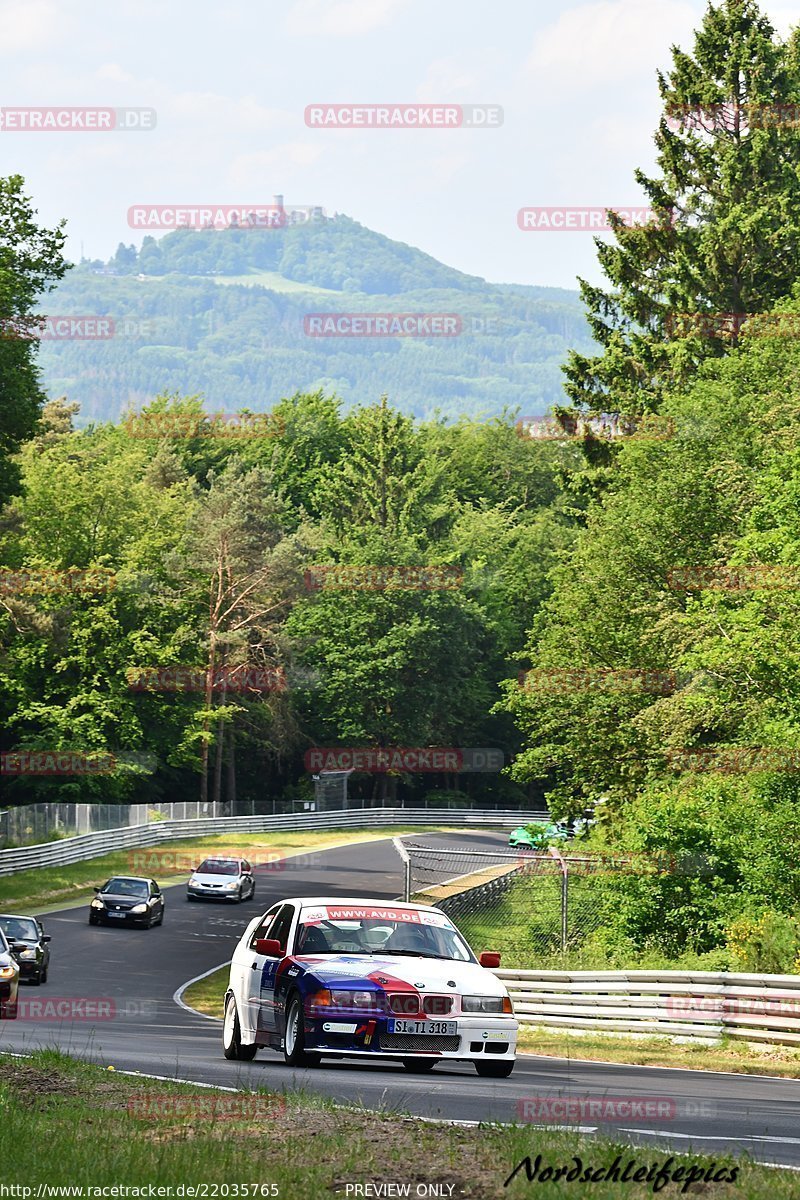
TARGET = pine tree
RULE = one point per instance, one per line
(726, 233)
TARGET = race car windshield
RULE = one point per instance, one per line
(218, 866)
(19, 927)
(126, 887)
(381, 937)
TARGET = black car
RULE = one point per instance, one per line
(127, 900)
(29, 944)
(9, 981)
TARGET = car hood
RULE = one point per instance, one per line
(202, 877)
(384, 971)
(113, 898)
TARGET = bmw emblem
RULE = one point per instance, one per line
(419, 985)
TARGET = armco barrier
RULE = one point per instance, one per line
(91, 845)
(695, 1004)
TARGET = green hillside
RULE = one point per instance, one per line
(222, 313)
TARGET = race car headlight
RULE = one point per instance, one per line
(485, 1004)
(139, 908)
(230, 886)
(28, 954)
(7, 972)
(97, 904)
(344, 998)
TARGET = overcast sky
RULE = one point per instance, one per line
(230, 85)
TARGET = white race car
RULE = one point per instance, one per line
(370, 979)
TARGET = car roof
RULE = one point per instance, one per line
(354, 902)
(133, 878)
(223, 858)
(22, 917)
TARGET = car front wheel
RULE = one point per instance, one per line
(294, 1041)
(232, 1046)
(418, 1066)
(494, 1070)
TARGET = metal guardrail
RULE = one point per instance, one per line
(92, 845)
(695, 1004)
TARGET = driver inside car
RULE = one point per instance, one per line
(409, 938)
(312, 941)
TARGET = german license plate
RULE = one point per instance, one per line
(440, 1027)
(122, 915)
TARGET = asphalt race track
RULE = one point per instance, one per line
(146, 1030)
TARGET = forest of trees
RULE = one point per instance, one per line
(594, 561)
(222, 313)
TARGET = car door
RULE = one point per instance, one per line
(245, 971)
(248, 881)
(157, 901)
(263, 969)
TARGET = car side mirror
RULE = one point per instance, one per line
(97, 889)
(489, 958)
(271, 947)
(46, 937)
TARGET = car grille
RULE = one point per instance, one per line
(437, 1006)
(419, 1041)
(407, 1004)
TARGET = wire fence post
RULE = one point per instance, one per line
(401, 850)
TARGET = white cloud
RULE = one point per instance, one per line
(114, 73)
(342, 18)
(612, 41)
(27, 25)
(212, 111)
(782, 18)
(444, 79)
(278, 164)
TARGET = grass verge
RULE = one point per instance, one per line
(207, 994)
(73, 1124)
(32, 891)
(748, 1058)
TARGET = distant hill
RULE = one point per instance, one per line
(223, 313)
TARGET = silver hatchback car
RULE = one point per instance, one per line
(222, 879)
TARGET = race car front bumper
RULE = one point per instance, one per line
(476, 1038)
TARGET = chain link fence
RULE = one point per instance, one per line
(529, 907)
(31, 824)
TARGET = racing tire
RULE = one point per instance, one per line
(494, 1070)
(43, 978)
(36, 980)
(232, 1046)
(192, 898)
(294, 1037)
(93, 920)
(418, 1066)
